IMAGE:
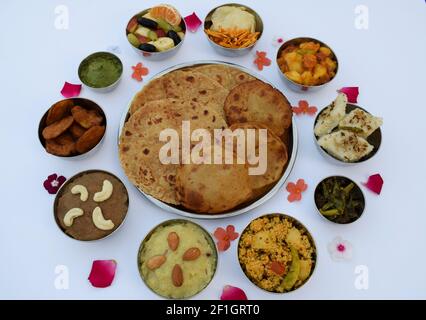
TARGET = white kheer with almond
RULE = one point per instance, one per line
(178, 260)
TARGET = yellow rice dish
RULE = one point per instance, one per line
(178, 260)
(276, 253)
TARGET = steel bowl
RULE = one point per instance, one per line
(233, 52)
(86, 103)
(108, 88)
(167, 223)
(349, 181)
(297, 86)
(299, 225)
(157, 56)
(250, 206)
(61, 191)
(375, 139)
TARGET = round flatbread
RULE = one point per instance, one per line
(140, 146)
(276, 157)
(212, 188)
(256, 101)
(226, 76)
(185, 85)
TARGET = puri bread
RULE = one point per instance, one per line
(140, 145)
(185, 85)
(256, 101)
(212, 188)
(226, 76)
(277, 157)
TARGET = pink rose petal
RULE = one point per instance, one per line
(192, 22)
(351, 93)
(70, 90)
(375, 183)
(232, 293)
(102, 273)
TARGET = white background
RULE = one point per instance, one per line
(387, 62)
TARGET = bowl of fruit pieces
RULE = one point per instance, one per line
(156, 33)
(306, 63)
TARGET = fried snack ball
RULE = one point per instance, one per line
(76, 130)
(58, 111)
(86, 118)
(63, 145)
(57, 128)
(90, 139)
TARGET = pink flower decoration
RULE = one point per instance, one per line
(102, 273)
(70, 90)
(232, 293)
(304, 108)
(374, 183)
(53, 183)
(225, 237)
(295, 190)
(351, 93)
(340, 249)
(192, 22)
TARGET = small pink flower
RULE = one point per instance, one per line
(102, 273)
(295, 190)
(340, 249)
(53, 183)
(225, 237)
(277, 41)
(70, 90)
(192, 22)
(232, 293)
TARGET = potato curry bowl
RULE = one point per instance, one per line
(306, 63)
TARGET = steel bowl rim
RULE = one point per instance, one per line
(112, 85)
(68, 181)
(156, 53)
(306, 87)
(334, 159)
(257, 16)
(252, 205)
(41, 126)
(351, 180)
(309, 235)
(170, 222)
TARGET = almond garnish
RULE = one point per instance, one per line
(177, 276)
(191, 254)
(155, 262)
(173, 240)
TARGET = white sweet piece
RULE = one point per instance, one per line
(82, 190)
(361, 122)
(331, 116)
(71, 215)
(105, 193)
(345, 145)
(99, 220)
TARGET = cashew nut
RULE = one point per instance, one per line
(99, 220)
(105, 193)
(71, 215)
(79, 189)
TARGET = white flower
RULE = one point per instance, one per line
(340, 249)
(277, 41)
